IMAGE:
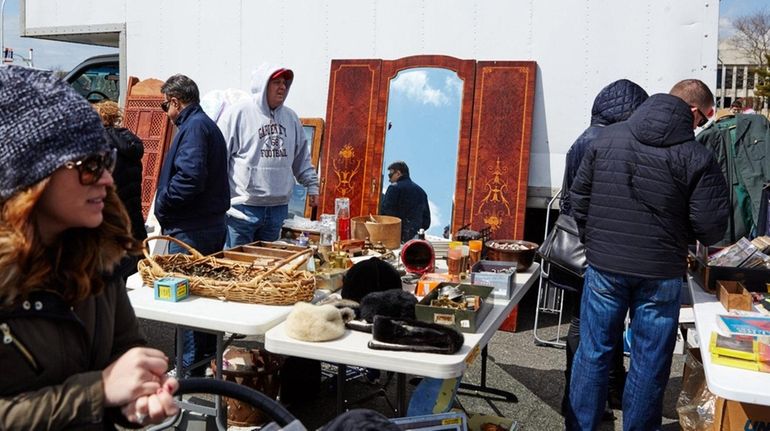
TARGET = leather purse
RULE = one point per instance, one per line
(562, 247)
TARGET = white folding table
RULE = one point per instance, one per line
(206, 315)
(351, 348)
(727, 382)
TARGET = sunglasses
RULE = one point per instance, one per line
(704, 118)
(164, 105)
(91, 168)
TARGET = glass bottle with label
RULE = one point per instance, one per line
(342, 211)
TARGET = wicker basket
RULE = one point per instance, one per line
(231, 281)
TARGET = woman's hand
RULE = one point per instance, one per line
(139, 372)
(153, 409)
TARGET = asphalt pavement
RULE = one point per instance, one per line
(533, 373)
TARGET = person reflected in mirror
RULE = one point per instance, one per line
(192, 195)
(406, 200)
(644, 191)
(127, 174)
(72, 356)
(266, 152)
(613, 103)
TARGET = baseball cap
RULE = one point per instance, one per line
(286, 73)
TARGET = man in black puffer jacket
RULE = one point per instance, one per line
(644, 190)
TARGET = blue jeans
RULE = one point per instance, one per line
(255, 224)
(654, 309)
(198, 345)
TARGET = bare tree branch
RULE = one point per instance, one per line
(752, 35)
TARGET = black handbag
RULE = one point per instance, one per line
(562, 247)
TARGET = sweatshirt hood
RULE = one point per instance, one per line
(616, 102)
(259, 79)
(662, 120)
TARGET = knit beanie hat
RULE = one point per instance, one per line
(44, 123)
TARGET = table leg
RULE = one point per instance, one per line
(483, 388)
(400, 395)
(342, 371)
(220, 407)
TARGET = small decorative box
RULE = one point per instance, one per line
(171, 289)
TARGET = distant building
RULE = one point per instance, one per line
(735, 79)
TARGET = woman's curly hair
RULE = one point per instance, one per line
(75, 265)
(109, 112)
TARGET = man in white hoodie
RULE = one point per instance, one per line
(267, 150)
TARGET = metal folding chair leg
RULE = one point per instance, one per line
(550, 299)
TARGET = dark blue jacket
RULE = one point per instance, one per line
(193, 188)
(645, 189)
(614, 103)
(407, 201)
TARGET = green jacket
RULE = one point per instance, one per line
(53, 354)
(750, 168)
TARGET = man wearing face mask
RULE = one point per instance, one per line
(644, 191)
(267, 151)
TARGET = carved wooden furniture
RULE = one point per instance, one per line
(493, 148)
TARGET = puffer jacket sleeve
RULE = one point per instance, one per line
(77, 403)
(127, 334)
(709, 207)
(580, 193)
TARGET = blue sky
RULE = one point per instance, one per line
(423, 130)
(47, 54)
(729, 9)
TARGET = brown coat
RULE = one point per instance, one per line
(52, 356)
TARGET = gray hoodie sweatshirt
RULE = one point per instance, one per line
(266, 148)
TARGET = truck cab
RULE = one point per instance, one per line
(97, 78)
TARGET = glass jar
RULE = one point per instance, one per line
(328, 229)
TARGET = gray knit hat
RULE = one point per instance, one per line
(44, 123)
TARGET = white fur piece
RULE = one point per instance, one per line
(309, 322)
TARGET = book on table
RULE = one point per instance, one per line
(740, 363)
(745, 324)
(745, 347)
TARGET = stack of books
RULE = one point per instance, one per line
(743, 341)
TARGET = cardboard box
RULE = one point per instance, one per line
(753, 279)
(488, 273)
(462, 320)
(172, 289)
(429, 281)
(734, 296)
(735, 416)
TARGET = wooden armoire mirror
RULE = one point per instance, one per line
(492, 150)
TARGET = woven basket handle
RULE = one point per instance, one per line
(146, 249)
(279, 264)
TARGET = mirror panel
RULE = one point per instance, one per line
(313, 128)
(423, 130)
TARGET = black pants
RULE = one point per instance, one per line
(617, 377)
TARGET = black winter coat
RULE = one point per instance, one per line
(407, 201)
(614, 103)
(645, 190)
(128, 175)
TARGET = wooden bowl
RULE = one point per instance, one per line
(524, 256)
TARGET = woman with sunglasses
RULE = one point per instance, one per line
(71, 350)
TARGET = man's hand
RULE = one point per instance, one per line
(313, 200)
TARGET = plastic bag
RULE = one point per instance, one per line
(696, 404)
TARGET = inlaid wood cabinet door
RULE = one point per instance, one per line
(498, 168)
(349, 138)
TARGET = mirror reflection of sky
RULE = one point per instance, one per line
(423, 129)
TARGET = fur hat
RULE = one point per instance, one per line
(308, 322)
(391, 303)
(370, 275)
(414, 336)
(44, 123)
